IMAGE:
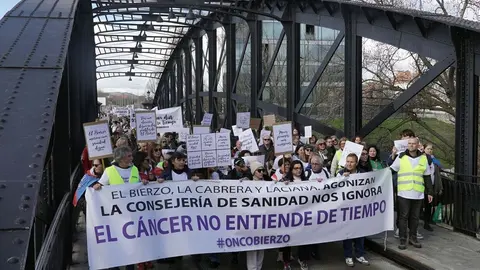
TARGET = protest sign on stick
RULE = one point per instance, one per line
(146, 126)
(97, 136)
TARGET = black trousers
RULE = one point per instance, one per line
(408, 217)
(427, 213)
(303, 253)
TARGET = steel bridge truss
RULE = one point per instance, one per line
(52, 53)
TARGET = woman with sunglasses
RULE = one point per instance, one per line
(296, 174)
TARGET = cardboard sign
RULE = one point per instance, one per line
(97, 136)
(269, 120)
(255, 123)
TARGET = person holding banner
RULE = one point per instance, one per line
(88, 180)
(296, 174)
(122, 170)
(176, 169)
(351, 168)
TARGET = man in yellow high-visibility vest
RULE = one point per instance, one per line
(413, 181)
(122, 170)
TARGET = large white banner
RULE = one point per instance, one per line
(133, 223)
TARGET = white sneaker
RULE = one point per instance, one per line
(362, 260)
(349, 262)
(303, 265)
(397, 233)
(280, 256)
(419, 236)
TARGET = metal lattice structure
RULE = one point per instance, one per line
(53, 52)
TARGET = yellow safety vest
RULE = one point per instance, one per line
(115, 178)
(412, 178)
(338, 155)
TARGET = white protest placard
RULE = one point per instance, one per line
(169, 120)
(282, 135)
(248, 141)
(194, 160)
(237, 130)
(201, 130)
(308, 131)
(194, 143)
(243, 119)
(401, 145)
(209, 141)
(122, 111)
(224, 157)
(231, 216)
(146, 126)
(207, 119)
(250, 159)
(132, 119)
(97, 136)
(223, 141)
(209, 159)
(182, 134)
(350, 147)
(224, 130)
(264, 132)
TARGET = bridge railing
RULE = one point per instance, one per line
(56, 251)
(461, 203)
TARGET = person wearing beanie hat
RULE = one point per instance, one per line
(258, 171)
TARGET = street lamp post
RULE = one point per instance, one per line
(148, 104)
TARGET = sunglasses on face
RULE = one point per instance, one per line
(158, 150)
(266, 139)
(260, 170)
(96, 165)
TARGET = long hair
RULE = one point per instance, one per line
(289, 175)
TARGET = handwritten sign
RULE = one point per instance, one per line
(97, 135)
(269, 120)
(224, 157)
(201, 130)
(194, 143)
(243, 119)
(121, 112)
(282, 134)
(223, 140)
(168, 120)
(401, 145)
(248, 141)
(209, 141)
(194, 160)
(224, 130)
(146, 126)
(349, 148)
(207, 119)
(209, 158)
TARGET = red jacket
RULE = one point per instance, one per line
(86, 163)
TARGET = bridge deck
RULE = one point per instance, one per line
(442, 250)
(331, 258)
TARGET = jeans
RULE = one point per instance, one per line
(303, 253)
(255, 259)
(359, 247)
(408, 216)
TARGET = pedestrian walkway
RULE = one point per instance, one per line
(442, 249)
(331, 257)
